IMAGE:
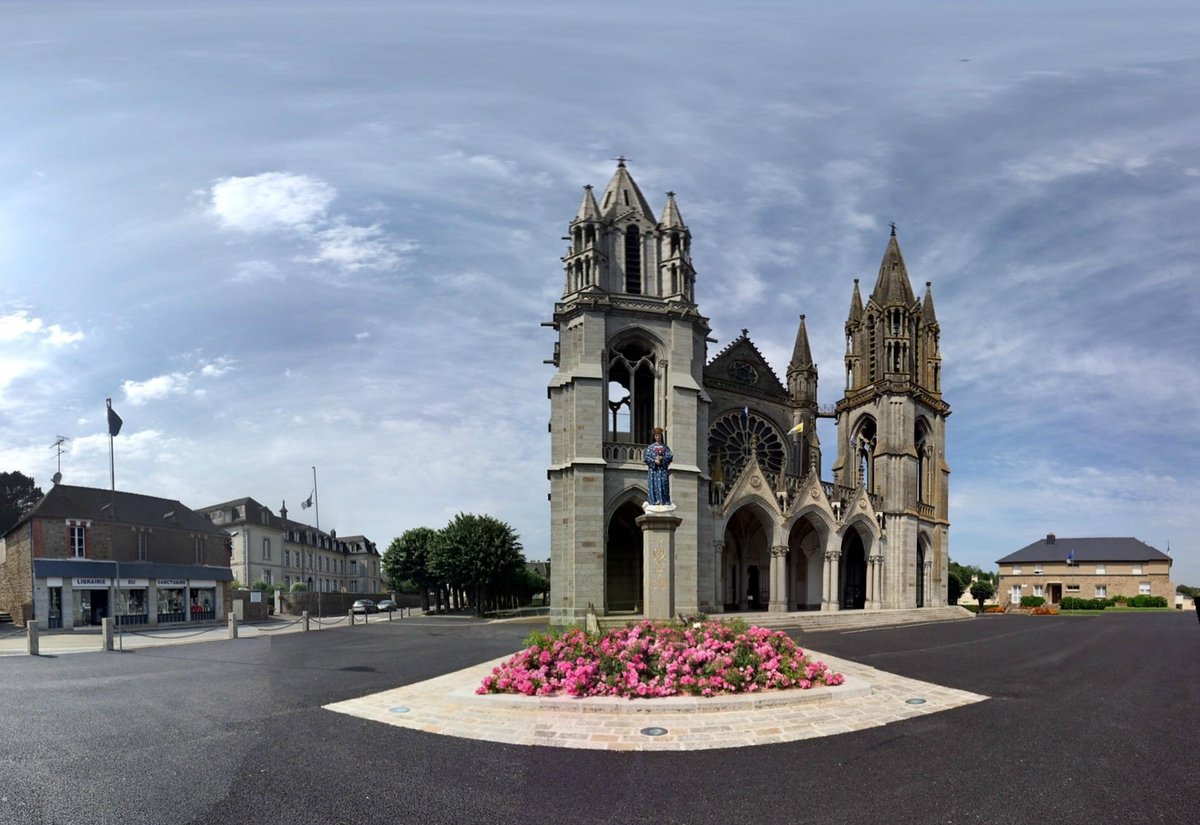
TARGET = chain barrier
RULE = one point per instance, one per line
(172, 636)
(273, 629)
(321, 623)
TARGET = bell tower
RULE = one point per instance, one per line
(892, 430)
(629, 357)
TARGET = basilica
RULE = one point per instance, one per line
(759, 527)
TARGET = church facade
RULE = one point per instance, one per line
(759, 529)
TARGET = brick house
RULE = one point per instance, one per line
(70, 562)
(1086, 568)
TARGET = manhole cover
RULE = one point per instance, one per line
(398, 709)
(914, 701)
(653, 731)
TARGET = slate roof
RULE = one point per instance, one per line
(65, 501)
(1087, 549)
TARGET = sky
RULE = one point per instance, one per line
(286, 235)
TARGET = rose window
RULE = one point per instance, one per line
(735, 434)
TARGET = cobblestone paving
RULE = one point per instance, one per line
(449, 706)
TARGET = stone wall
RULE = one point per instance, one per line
(16, 594)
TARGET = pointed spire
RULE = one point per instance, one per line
(856, 306)
(801, 353)
(928, 314)
(670, 216)
(893, 286)
(589, 210)
(623, 196)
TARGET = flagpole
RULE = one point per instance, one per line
(112, 513)
(317, 513)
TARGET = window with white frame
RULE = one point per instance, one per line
(1037, 568)
(1072, 588)
(1137, 570)
(1102, 591)
(1016, 569)
(1101, 569)
(1037, 590)
(267, 547)
(287, 558)
(266, 576)
(77, 534)
(1144, 589)
(353, 587)
(1015, 594)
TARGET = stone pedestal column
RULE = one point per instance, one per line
(876, 582)
(833, 597)
(718, 573)
(658, 561)
(779, 580)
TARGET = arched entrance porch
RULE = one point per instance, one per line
(623, 561)
(805, 559)
(746, 560)
(852, 579)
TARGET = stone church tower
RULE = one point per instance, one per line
(630, 357)
(758, 529)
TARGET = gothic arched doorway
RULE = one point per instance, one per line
(746, 561)
(623, 561)
(805, 561)
(852, 592)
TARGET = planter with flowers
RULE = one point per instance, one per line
(655, 659)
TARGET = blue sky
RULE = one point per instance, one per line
(286, 234)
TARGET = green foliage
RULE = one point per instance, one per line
(261, 586)
(299, 587)
(982, 590)
(966, 572)
(1076, 603)
(407, 559)
(1184, 589)
(1032, 601)
(235, 585)
(18, 495)
(954, 588)
(478, 553)
(1148, 601)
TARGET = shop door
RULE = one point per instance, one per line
(99, 605)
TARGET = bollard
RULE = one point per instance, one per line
(304, 615)
(233, 630)
(106, 633)
(32, 630)
(389, 614)
(350, 616)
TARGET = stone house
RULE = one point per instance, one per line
(75, 559)
(1086, 568)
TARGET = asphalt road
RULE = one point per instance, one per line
(1093, 719)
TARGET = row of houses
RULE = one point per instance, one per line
(1088, 568)
(84, 554)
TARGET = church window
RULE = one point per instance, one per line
(631, 382)
(633, 260)
(674, 278)
(737, 434)
(674, 243)
(589, 235)
(871, 346)
(577, 233)
(924, 460)
(607, 199)
(864, 447)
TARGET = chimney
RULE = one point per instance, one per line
(1049, 538)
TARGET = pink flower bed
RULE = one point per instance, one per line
(649, 659)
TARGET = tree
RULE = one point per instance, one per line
(479, 554)
(407, 559)
(18, 495)
(981, 591)
(954, 588)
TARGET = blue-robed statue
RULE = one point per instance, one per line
(658, 459)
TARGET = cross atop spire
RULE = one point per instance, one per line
(621, 160)
(893, 225)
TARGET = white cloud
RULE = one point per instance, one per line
(271, 201)
(361, 336)
(153, 389)
(18, 325)
(358, 247)
(298, 205)
(251, 272)
(1097, 156)
(217, 367)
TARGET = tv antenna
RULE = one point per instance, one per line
(59, 446)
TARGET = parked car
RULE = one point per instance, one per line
(387, 606)
(364, 606)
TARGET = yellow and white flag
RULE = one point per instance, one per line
(799, 428)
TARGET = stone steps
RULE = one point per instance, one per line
(840, 620)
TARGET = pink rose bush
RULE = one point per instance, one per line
(650, 659)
